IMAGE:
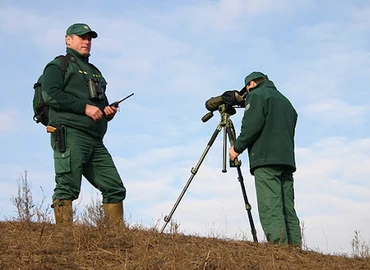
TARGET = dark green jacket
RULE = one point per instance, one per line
(68, 97)
(268, 128)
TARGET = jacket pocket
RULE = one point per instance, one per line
(62, 161)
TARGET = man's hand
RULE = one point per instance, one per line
(233, 155)
(110, 111)
(93, 112)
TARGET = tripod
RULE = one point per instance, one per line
(228, 130)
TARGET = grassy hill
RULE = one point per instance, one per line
(32, 241)
(42, 245)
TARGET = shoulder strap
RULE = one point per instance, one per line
(64, 64)
(74, 60)
(64, 60)
(95, 68)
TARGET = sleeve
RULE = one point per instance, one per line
(252, 123)
(53, 94)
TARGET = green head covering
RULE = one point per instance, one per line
(254, 75)
(80, 29)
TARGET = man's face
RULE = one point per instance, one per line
(81, 44)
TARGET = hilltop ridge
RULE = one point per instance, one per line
(32, 245)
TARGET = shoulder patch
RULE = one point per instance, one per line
(247, 107)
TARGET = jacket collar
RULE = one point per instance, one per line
(78, 55)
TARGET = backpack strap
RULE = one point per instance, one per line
(64, 66)
(64, 60)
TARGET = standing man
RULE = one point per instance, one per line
(78, 117)
(267, 131)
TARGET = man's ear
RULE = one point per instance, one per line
(68, 40)
(252, 84)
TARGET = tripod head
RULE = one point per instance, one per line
(229, 131)
(227, 126)
(222, 109)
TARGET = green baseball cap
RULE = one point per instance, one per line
(254, 75)
(80, 29)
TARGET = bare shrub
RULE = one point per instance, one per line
(93, 213)
(303, 234)
(174, 227)
(27, 210)
(360, 249)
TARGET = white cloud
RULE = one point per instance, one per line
(8, 120)
(335, 112)
(332, 191)
(11, 23)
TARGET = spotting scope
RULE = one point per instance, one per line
(231, 98)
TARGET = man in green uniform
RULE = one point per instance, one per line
(78, 117)
(267, 131)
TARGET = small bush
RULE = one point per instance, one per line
(27, 210)
(360, 249)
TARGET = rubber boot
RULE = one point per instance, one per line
(63, 212)
(113, 214)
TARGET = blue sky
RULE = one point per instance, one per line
(174, 55)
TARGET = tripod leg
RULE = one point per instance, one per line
(236, 163)
(224, 148)
(248, 207)
(194, 170)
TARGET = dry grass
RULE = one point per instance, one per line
(28, 245)
(31, 241)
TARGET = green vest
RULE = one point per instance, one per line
(268, 128)
(68, 96)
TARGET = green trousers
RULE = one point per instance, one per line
(85, 156)
(275, 199)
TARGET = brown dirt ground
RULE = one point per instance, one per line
(46, 246)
